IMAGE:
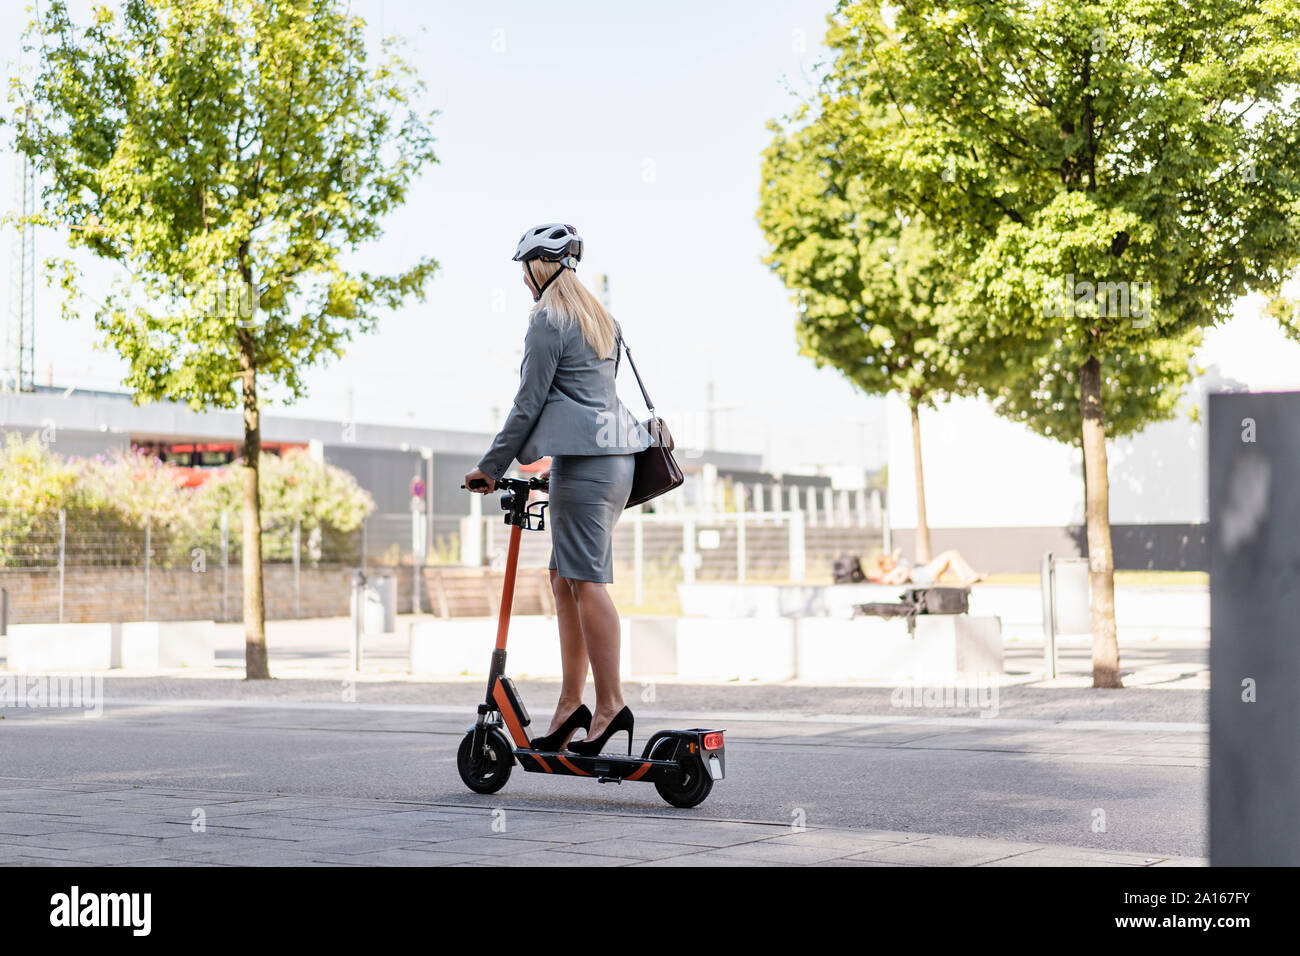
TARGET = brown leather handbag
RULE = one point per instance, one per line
(656, 468)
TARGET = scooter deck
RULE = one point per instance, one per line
(608, 766)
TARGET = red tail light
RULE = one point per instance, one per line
(713, 741)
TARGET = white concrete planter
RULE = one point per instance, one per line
(64, 647)
(463, 647)
(164, 645)
(144, 645)
(720, 599)
(945, 646)
(727, 649)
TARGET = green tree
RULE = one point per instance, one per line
(869, 282)
(228, 154)
(1116, 174)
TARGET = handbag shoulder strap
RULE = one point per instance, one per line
(644, 394)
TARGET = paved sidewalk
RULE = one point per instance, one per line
(71, 824)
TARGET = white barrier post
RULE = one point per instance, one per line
(798, 556)
(63, 540)
(638, 553)
(471, 536)
(740, 533)
(688, 549)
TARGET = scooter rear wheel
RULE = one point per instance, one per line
(694, 787)
(493, 774)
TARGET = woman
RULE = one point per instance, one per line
(567, 407)
(895, 569)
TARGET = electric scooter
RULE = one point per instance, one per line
(682, 764)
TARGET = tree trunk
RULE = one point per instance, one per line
(1101, 560)
(922, 523)
(255, 663)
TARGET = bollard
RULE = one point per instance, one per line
(358, 612)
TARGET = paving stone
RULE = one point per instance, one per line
(945, 851)
(411, 856)
(848, 840)
(280, 856)
(68, 840)
(709, 834)
(110, 825)
(845, 861)
(780, 852)
(634, 849)
(356, 843)
(711, 858)
(1084, 856)
(489, 846)
(555, 858)
(13, 825)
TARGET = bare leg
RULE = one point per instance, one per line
(573, 651)
(600, 629)
(965, 573)
(939, 566)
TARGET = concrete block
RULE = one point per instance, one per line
(944, 647)
(736, 648)
(463, 646)
(163, 645)
(65, 647)
(652, 645)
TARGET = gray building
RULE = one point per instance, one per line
(384, 459)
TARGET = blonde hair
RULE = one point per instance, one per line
(567, 300)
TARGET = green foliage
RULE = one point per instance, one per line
(1144, 147)
(869, 283)
(325, 503)
(227, 154)
(108, 499)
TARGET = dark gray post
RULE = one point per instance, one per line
(1254, 540)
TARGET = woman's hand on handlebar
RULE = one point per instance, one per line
(477, 481)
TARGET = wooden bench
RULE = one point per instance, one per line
(476, 592)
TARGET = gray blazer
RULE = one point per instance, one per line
(566, 403)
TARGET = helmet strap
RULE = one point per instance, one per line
(545, 285)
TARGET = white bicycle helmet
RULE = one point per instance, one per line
(550, 242)
(553, 241)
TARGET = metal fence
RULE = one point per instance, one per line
(656, 552)
(69, 566)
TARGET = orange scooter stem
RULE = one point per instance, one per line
(508, 591)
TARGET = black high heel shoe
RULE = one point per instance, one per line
(623, 720)
(553, 742)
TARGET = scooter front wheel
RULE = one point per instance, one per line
(493, 773)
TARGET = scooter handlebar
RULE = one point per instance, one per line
(512, 484)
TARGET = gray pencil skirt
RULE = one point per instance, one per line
(587, 494)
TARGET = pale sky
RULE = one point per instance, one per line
(643, 126)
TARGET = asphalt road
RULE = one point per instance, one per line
(1055, 766)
